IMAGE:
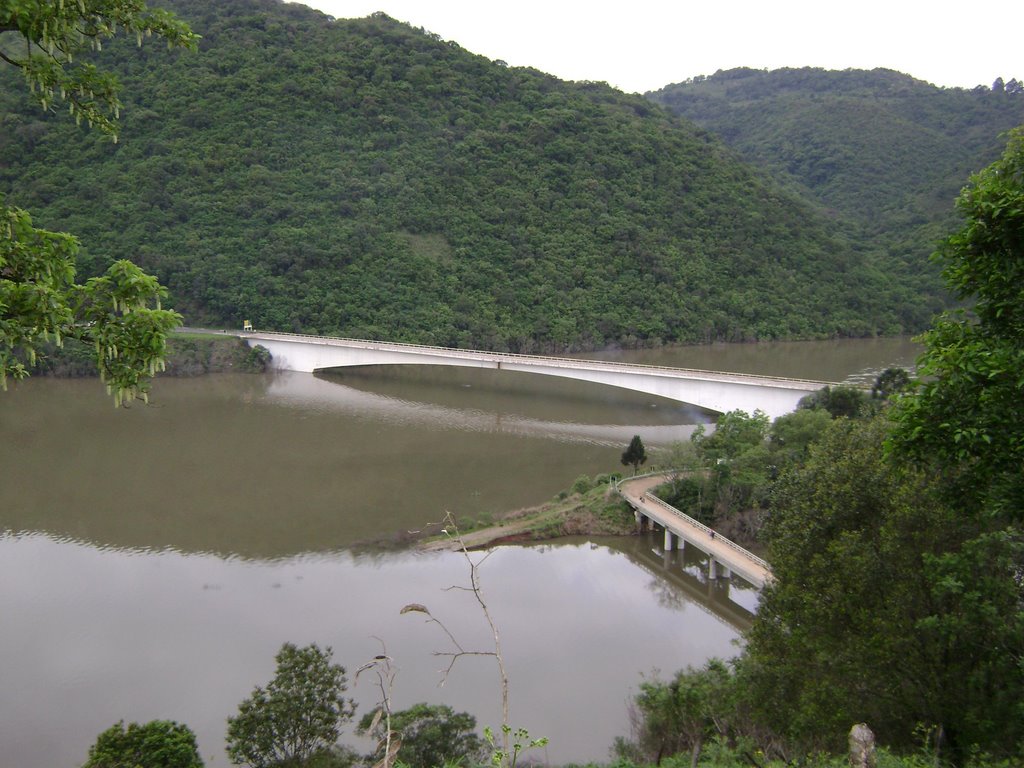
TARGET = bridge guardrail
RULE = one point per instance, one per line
(697, 523)
(568, 362)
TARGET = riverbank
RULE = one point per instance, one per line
(188, 354)
(591, 508)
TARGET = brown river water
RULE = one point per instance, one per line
(154, 559)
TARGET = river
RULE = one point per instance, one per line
(153, 560)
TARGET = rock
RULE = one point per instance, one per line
(862, 747)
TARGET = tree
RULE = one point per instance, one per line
(157, 744)
(839, 401)
(882, 593)
(431, 735)
(669, 718)
(297, 717)
(738, 461)
(119, 314)
(967, 418)
(890, 382)
(792, 433)
(635, 454)
(735, 433)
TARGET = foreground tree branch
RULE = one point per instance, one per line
(56, 34)
(120, 313)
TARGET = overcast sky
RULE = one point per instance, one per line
(642, 45)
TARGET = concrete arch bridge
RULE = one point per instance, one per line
(713, 391)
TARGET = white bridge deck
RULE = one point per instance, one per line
(714, 391)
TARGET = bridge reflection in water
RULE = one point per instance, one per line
(684, 575)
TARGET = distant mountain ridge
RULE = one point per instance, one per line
(364, 178)
(878, 148)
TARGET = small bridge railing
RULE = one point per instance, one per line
(696, 523)
(566, 362)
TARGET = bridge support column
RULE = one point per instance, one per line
(642, 521)
(717, 570)
(671, 540)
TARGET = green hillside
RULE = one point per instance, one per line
(365, 178)
(879, 149)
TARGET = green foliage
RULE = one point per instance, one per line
(156, 744)
(582, 484)
(887, 576)
(725, 479)
(678, 716)
(364, 178)
(519, 741)
(187, 355)
(335, 757)
(967, 419)
(431, 735)
(118, 314)
(635, 454)
(693, 494)
(880, 152)
(297, 717)
(890, 382)
(736, 432)
(737, 469)
(257, 359)
(719, 753)
(197, 355)
(793, 433)
(681, 455)
(840, 401)
(880, 595)
(54, 38)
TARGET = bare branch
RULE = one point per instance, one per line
(381, 664)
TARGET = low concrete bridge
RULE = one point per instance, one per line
(726, 557)
(713, 391)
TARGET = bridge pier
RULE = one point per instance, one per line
(717, 570)
(642, 521)
(671, 541)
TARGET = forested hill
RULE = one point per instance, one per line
(362, 177)
(878, 148)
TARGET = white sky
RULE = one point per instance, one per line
(646, 44)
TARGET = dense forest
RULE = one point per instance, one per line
(365, 178)
(881, 152)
